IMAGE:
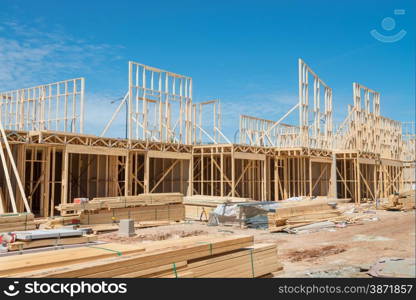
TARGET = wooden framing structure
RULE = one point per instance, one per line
(175, 145)
(55, 106)
(314, 128)
(369, 150)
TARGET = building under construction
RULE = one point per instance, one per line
(176, 145)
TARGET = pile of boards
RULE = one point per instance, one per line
(141, 208)
(303, 213)
(403, 201)
(199, 207)
(215, 256)
(23, 245)
(18, 221)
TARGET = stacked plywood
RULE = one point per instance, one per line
(302, 214)
(15, 222)
(198, 256)
(402, 201)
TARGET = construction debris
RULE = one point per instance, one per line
(403, 201)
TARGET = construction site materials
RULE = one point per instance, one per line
(50, 233)
(249, 262)
(402, 201)
(57, 258)
(15, 222)
(56, 222)
(303, 213)
(98, 228)
(169, 212)
(126, 228)
(198, 256)
(120, 202)
(107, 210)
(21, 245)
(199, 207)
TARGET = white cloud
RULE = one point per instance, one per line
(29, 56)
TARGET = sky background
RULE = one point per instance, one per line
(243, 52)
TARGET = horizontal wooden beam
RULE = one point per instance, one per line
(367, 161)
(250, 156)
(322, 160)
(96, 150)
(171, 155)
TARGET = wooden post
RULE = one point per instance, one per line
(65, 174)
(147, 174)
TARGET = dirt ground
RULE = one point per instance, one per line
(338, 252)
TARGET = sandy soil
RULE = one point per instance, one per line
(344, 250)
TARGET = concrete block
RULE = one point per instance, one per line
(126, 228)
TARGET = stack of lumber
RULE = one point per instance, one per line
(403, 201)
(198, 207)
(140, 208)
(198, 256)
(169, 212)
(60, 221)
(53, 259)
(15, 222)
(301, 214)
(121, 202)
(22, 245)
(115, 226)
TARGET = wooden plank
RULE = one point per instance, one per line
(96, 150)
(249, 156)
(156, 254)
(19, 245)
(56, 258)
(170, 155)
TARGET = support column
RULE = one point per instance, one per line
(333, 185)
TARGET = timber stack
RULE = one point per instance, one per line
(304, 213)
(140, 208)
(206, 256)
(19, 221)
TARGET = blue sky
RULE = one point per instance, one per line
(242, 52)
